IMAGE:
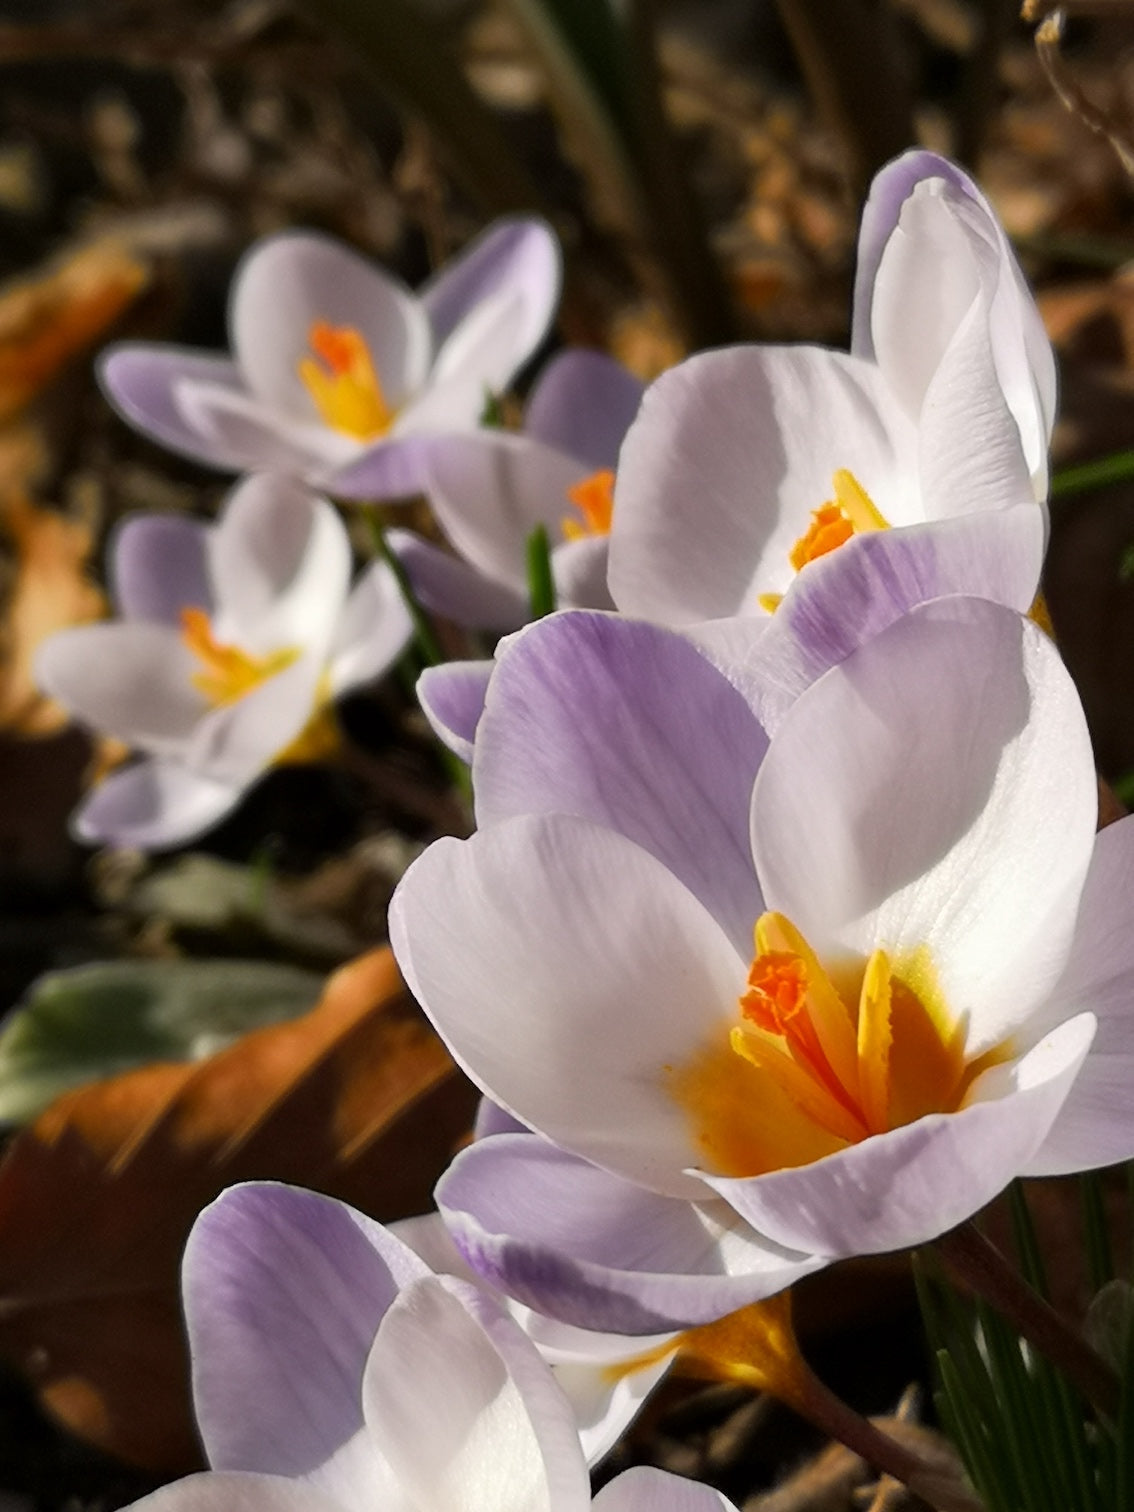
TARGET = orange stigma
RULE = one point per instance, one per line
(822, 1056)
(593, 497)
(850, 512)
(343, 382)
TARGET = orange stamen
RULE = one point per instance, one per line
(227, 673)
(593, 497)
(344, 383)
(850, 512)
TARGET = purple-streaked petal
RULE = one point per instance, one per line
(452, 699)
(131, 680)
(517, 256)
(851, 595)
(644, 1489)
(373, 630)
(583, 717)
(731, 453)
(461, 1431)
(284, 1290)
(287, 282)
(567, 1010)
(583, 403)
(231, 1491)
(397, 468)
(280, 565)
(1096, 1124)
(140, 382)
(240, 432)
(936, 791)
(580, 571)
(730, 646)
(235, 742)
(490, 490)
(899, 1189)
(151, 806)
(445, 585)
(159, 566)
(583, 1246)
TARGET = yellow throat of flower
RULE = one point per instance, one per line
(593, 497)
(822, 1056)
(342, 381)
(850, 512)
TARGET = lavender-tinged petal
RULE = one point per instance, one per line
(445, 585)
(490, 490)
(518, 255)
(152, 805)
(1096, 1124)
(131, 680)
(242, 433)
(140, 381)
(580, 571)
(644, 1489)
(903, 1188)
(280, 565)
(583, 403)
(452, 699)
(590, 1249)
(159, 566)
(581, 719)
(731, 453)
(289, 281)
(373, 630)
(284, 1290)
(236, 742)
(469, 1420)
(911, 805)
(232, 1491)
(849, 596)
(567, 1010)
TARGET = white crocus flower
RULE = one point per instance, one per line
(232, 643)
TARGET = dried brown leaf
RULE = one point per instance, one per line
(358, 1098)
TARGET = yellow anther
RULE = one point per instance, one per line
(593, 497)
(227, 673)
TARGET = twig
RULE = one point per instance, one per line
(1049, 36)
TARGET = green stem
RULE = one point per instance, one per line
(1087, 476)
(541, 582)
(427, 643)
(984, 1270)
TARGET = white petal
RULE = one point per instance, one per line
(373, 630)
(644, 1489)
(239, 431)
(151, 806)
(937, 790)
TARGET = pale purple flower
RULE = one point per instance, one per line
(333, 1370)
(940, 997)
(491, 488)
(910, 468)
(232, 642)
(338, 371)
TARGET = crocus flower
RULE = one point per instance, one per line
(755, 468)
(332, 1370)
(337, 370)
(769, 1005)
(491, 488)
(233, 640)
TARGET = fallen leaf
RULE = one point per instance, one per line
(50, 592)
(357, 1098)
(46, 318)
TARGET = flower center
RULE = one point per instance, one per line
(850, 512)
(823, 1056)
(227, 673)
(343, 383)
(593, 497)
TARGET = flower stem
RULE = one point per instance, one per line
(981, 1267)
(428, 645)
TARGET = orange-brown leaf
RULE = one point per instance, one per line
(358, 1098)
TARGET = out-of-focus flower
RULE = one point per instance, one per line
(234, 640)
(338, 371)
(491, 488)
(937, 933)
(911, 466)
(332, 1370)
